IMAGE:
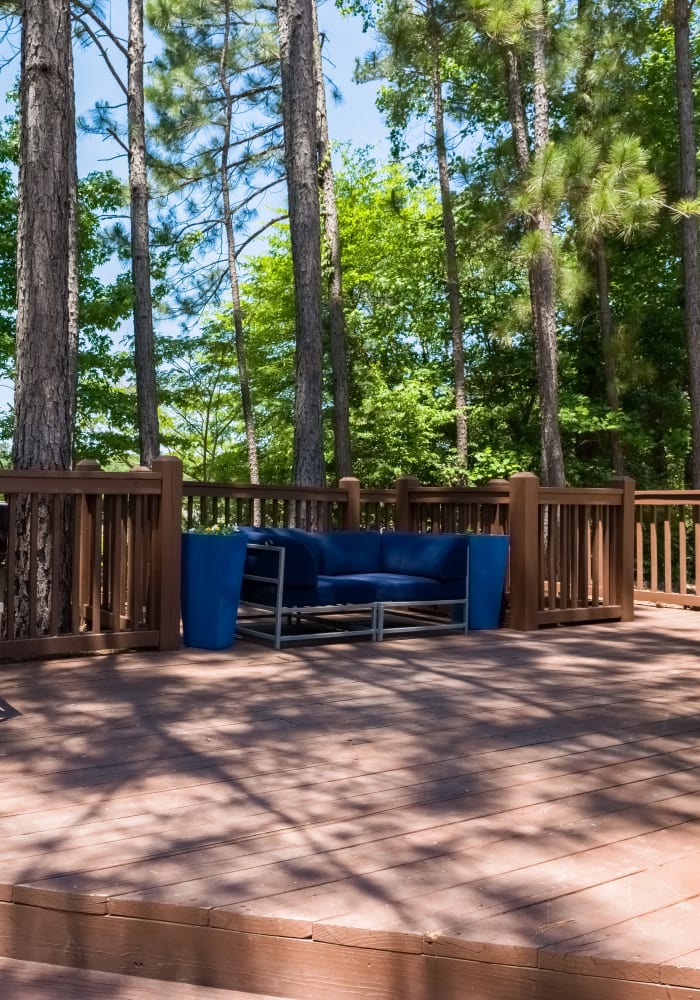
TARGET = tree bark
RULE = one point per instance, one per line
(146, 390)
(689, 224)
(342, 449)
(296, 36)
(46, 326)
(241, 355)
(452, 270)
(541, 272)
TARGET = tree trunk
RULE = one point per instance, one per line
(342, 449)
(607, 333)
(541, 274)
(296, 33)
(689, 224)
(146, 391)
(46, 291)
(452, 270)
(542, 297)
(241, 357)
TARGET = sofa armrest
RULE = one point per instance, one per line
(301, 562)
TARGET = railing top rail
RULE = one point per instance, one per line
(194, 488)
(471, 494)
(377, 496)
(79, 482)
(607, 496)
(667, 497)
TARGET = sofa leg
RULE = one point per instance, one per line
(378, 616)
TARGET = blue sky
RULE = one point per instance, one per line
(355, 119)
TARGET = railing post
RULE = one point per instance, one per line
(623, 570)
(524, 551)
(404, 521)
(351, 520)
(169, 551)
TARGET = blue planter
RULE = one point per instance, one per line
(212, 569)
(488, 559)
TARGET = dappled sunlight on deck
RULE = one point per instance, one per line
(494, 815)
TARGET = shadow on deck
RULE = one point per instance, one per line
(498, 815)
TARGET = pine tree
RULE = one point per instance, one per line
(46, 331)
(296, 36)
(218, 67)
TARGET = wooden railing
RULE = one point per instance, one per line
(571, 553)
(91, 560)
(407, 507)
(571, 550)
(667, 545)
(577, 544)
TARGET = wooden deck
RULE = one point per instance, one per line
(493, 816)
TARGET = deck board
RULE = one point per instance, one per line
(495, 815)
(39, 981)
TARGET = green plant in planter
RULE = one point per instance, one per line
(214, 529)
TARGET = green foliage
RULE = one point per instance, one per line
(105, 423)
(201, 409)
(608, 178)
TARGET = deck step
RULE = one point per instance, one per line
(21, 980)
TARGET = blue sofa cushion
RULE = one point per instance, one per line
(347, 552)
(346, 590)
(357, 567)
(399, 587)
(266, 594)
(440, 557)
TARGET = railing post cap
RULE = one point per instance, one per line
(524, 475)
(88, 465)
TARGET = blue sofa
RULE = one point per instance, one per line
(381, 580)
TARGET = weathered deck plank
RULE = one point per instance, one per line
(38, 981)
(495, 815)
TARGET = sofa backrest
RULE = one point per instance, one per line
(441, 557)
(344, 552)
(338, 553)
(301, 559)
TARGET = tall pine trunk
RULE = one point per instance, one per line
(296, 37)
(451, 262)
(689, 223)
(46, 327)
(342, 449)
(241, 355)
(146, 391)
(541, 272)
